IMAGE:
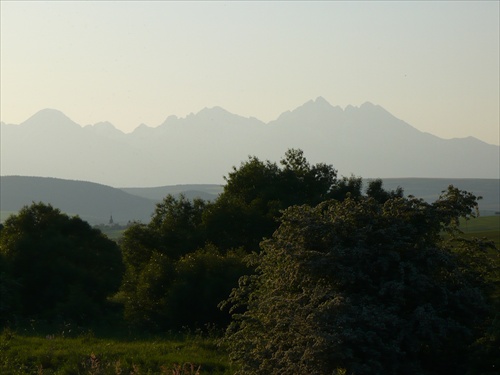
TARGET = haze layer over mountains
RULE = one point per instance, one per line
(201, 148)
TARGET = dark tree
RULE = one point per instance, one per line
(362, 287)
(377, 192)
(257, 192)
(165, 258)
(172, 278)
(202, 279)
(177, 225)
(59, 267)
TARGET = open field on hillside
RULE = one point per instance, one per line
(485, 226)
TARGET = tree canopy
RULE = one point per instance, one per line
(257, 192)
(173, 276)
(157, 255)
(55, 266)
(362, 286)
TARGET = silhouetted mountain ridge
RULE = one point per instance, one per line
(50, 119)
(366, 141)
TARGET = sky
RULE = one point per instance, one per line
(434, 65)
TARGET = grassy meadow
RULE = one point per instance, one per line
(483, 227)
(86, 353)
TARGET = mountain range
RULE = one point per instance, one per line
(366, 141)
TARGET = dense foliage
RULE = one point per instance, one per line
(257, 192)
(363, 287)
(189, 257)
(55, 267)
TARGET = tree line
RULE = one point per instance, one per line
(304, 271)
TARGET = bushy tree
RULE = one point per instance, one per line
(149, 254)
(170, 294)
(164, 283)
(203, 279)
(173, 278)
(59, 267)
(176, 225)
(362, 286)
(257, 192)
(376, 191)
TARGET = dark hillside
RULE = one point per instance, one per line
(207, 192)
(430, 188)
(93, 202)
(427, 188)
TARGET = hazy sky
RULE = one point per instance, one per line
(434, 65)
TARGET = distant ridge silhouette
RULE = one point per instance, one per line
(95, 203)
(92, 202)
(366, 141)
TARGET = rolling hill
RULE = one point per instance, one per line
(95, 203)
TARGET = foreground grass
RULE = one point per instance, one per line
(87, 354)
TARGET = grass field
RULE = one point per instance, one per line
(23, 353)
(112, 233)
(483, 227)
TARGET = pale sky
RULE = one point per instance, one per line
(434, 65)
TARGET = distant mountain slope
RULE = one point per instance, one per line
(365, 141)
(94, 203)
(205, 192)
(429, 189)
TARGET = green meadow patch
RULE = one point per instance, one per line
(87, 354)
(112, 233)
(483, 227)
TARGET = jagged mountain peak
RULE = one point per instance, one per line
(319, 102)
(105, 128)
(322, 101)
(365, 140)
(319, 107)
(210, 115)
(142, 129)
(369, 109)
(368, 105)
(363, 107)
(220, 113)
(213, 112)
(49, 117)
(104, 125)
